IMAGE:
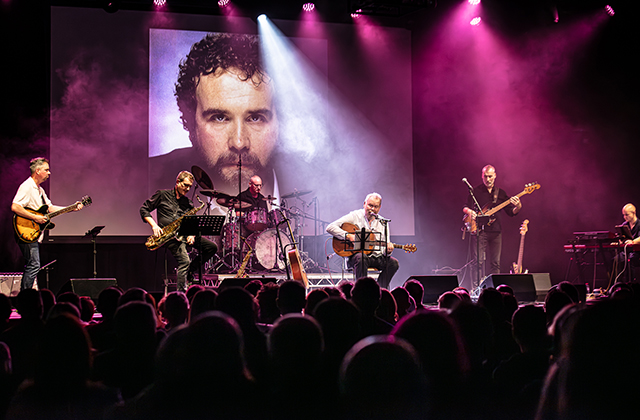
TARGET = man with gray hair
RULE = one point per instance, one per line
(31, 195)
(345, 229)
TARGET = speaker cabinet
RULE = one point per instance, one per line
(522, 285)
(91, 287)
(542, 282)
(435, 285)
(10, 283)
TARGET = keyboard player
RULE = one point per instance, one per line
(633, 257)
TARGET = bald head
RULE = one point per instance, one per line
(629, 213)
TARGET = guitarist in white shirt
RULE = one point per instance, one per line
(488, 196)
(380, 256)
(31, 195)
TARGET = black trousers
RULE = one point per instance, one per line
(387, 266)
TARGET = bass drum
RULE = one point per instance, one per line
(267, 252)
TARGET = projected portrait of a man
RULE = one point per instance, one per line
(226, 105)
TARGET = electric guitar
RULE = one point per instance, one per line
(470, 222)
(346, 248)
(517, 267)
(29, 231)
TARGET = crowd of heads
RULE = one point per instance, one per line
(353, 351)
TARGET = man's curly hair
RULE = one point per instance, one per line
(216, 51)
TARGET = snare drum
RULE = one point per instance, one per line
(256, 219)
(231, 236)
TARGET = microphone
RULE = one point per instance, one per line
(467, 182)
(382, 219)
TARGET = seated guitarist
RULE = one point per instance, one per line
(31, 195)
(488, 196)
(380, 258)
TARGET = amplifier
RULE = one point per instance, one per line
(10, 283)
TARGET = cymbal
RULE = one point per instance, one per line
(269, 198)
(202, 179)
(226, 200)
(297, 194)
(211, 193)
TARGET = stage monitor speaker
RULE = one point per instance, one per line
(91, 287)
(522, 285)
(542, 282)
(10, 283)
(435, 285)
(242, 281)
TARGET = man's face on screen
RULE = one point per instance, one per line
(235, 117)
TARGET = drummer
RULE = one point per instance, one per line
(252, 194)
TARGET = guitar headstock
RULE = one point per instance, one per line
(86, 200)
(409, 248)
(524, 228)
(531, 187)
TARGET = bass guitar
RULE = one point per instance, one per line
(517, 267)
(346, 248)
(470, 222)
(29, 231)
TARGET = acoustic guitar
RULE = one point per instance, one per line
(346, 248)
(470, 222)
(29, 231)
(517, 267)
(297, 268)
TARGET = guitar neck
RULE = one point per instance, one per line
(520, 255)
(61, 211)
(502, 205)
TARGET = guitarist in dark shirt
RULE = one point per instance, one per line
(489, 196)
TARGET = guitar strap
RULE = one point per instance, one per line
(495, 194)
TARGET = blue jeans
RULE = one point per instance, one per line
(31, 253)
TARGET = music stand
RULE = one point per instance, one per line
(94, 233)
(198, 226)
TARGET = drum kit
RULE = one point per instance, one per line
(268, 235)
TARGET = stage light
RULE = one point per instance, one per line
(356, 14)
(474, 2)
(475, 21)
(262, 18)
(308, 7)
(609, 10)
(159, 3)
(223, 3)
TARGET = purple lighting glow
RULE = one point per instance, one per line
(474, 2)
(609, 10)
(475, 21)
(308, 7)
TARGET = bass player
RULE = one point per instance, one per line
(31, 195)
(490, 236)
(369, 219)
(170, 205)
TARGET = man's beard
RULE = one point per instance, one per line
(227, 167)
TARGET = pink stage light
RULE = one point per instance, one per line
(159, 3)
(223, 3)
(474, 2)
(356, 14)
(308, 7)
(475, 21)
(609, 10)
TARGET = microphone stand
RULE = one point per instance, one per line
(481, 221)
